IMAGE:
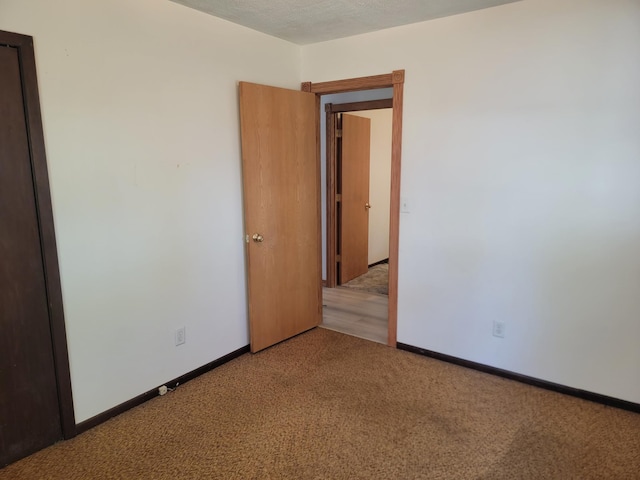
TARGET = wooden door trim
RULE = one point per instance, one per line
(394, 220)
(319, 204)
(360, 106)
(352, 84)
(24, 46)
(395, 80)
(332, 215)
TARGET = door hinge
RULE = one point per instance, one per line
(338, 197)
(337, 258)
(338, 133)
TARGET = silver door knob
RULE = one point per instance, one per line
(367, 205)
(257, 238)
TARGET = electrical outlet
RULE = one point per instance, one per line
(181, 336)
(498, 329)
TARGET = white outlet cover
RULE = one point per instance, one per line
(181, 336)
(498, 329)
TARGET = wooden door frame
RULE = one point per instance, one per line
(395, 80)
(332, 110)
(24, 46)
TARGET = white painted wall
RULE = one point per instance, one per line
(379, 182)
(140, 112)
(521, 161)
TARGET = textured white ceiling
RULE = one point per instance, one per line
(311, 21)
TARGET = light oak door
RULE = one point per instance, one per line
(354, 204)
(281, 180)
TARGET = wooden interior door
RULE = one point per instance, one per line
(281, 180)
(354, 194)
(29, 409)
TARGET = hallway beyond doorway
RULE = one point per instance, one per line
(361, 314)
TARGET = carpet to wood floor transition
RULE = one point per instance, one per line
(376, 280)
(325, 405)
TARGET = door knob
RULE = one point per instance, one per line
(367, 205)
(257, 238)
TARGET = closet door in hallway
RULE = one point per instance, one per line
(354, 190)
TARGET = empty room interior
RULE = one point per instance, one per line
(512, 241)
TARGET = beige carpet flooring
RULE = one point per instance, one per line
(376, 280)
(329, 406)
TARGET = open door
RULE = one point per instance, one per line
(281, 180)
(354, 197)
(36, 408)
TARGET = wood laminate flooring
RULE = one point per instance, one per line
(361, 314)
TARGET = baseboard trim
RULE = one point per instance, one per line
(386, 260)
(140, 399)
(536, 382)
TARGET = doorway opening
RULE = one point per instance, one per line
(357, 213)
(395, 82)
(358, 169)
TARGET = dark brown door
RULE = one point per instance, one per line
(354, 214)
(29, 408)
(281, 178)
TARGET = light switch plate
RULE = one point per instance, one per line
(405, 206)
